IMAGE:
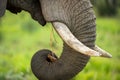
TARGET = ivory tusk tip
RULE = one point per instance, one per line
(98, 54)
(106, 55)
(102, 52)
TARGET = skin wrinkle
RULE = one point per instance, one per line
(83, 22)
(86, 31)
(83, 15)
(82, 29)
(78, 19)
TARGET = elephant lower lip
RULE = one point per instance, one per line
(42, 23)
(39, 18)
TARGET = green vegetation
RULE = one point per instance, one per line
(106, 7)
(21, 37)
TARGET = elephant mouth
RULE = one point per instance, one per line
(77, 45)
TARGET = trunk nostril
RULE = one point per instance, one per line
(51, 57)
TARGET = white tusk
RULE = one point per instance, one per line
(102, 52)
(73, 42)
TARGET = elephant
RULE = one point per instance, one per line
(74, 21)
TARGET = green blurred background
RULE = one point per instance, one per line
(21, 37)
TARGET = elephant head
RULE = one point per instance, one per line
(74, 20)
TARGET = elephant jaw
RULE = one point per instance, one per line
(77, 45)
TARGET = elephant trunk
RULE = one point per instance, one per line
(67, 66)
(78, 16)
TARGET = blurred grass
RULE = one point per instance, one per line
(22, 37)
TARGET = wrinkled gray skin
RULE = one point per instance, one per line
(77, 15)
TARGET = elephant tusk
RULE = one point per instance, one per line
(102, 52)
(72, 41)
